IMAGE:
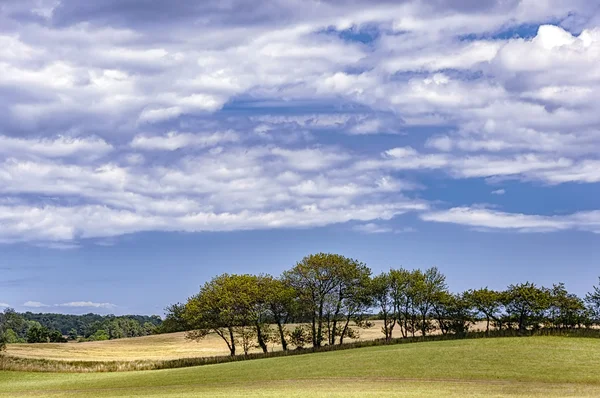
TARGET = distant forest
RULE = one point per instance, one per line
(59, 328)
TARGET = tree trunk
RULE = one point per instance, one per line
(344, 330)
(232, 345)
(282, 335)
(319, 336)
(261, 339)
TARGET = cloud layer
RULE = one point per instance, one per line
(297, 115)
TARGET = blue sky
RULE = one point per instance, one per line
(148, 146)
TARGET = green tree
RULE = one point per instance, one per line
(453, 312)
(73, 334)
(328, 285)
(55, 336)
(566, 310)
(525, 305)
(282, 303)
(402, 295)
(592, 300)
(381, 292)
(427, 287)
(36, 333)
(215, 309)
(12, 337)
(299, 336)
(99, 335)
(174, 320)
(487, 303)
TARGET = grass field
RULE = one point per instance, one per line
(164, 346)
(534, 366)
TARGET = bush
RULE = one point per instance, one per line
(100, 335)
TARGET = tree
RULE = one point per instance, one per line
(174, 320)
(427, 287)
(218, 308)
(592, 300)
(73, 334)
(327, 285)
(487, 303)
(99, 335)
(56, 336)
(299, 337)
(403, 299)
(566, 310)
(381, 292)
(525, 304)
(37, 333)
(453, 312)
(281, 299)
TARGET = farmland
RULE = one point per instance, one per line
(534, 366)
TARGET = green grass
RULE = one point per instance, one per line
(534, 366)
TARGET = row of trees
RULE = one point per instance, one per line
(332, 296)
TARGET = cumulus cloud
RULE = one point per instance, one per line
(236, 117)
(174, 140)
(4, 305)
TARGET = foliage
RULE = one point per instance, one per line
(486, 303)
(299, 336)
(332, 290)
(592, 300)
(335, 295)
(525, 304)
(85, 325)
(174, 320)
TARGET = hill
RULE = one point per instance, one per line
(162, 346)
(531, 367)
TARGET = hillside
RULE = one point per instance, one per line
(536, 366)
(162, 346)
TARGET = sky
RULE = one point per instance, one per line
(147, 146)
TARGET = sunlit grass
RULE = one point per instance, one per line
(535, 366)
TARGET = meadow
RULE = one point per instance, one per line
(494, 367)
(155, 347)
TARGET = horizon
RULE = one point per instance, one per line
(147, 147)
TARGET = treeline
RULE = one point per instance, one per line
(59, 328)
(331, 297)
(86, 324)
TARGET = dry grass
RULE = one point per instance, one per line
(158, 347)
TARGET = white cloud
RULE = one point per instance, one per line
(35, 304)
(372, 228)
(4, 305)
(499, 192)
(86, 304)
(174, 140)
(54, 147)
(85, 107)
(492, 219)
